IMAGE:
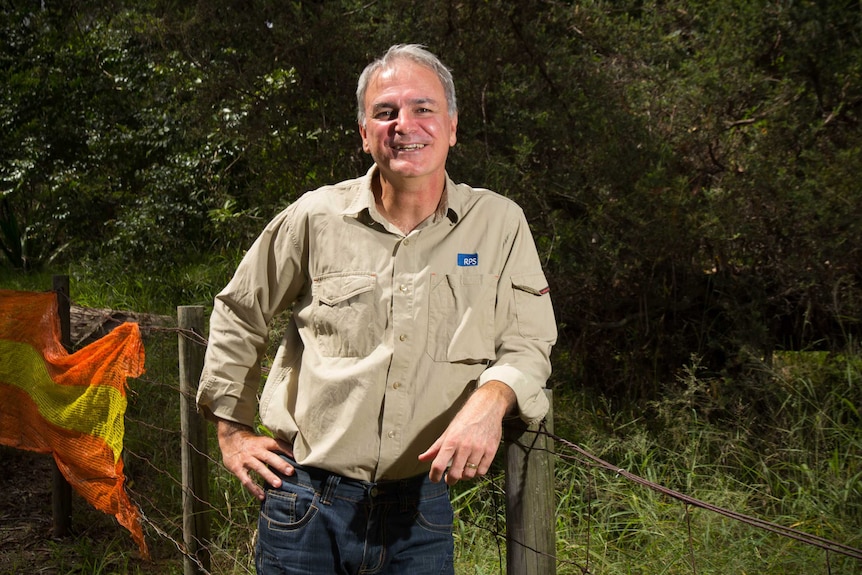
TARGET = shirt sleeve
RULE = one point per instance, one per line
(524, 322)
(267, 281)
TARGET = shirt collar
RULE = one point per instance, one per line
(362, 207)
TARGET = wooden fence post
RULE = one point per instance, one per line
(195, 469)
(61, 491)
(530, 499)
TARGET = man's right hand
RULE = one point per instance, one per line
(244, 452)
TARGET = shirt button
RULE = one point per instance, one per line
(396, 385)
(402, 287)
(391, 434)
(407, 242)
(402, 337)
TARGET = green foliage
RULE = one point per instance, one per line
(688, 168)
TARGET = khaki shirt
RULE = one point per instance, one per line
(388, 335)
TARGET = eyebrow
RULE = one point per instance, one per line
(413, 102)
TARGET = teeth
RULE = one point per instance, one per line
(412, 147)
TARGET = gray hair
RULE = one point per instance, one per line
(415, 53)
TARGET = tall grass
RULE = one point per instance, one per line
(793, 457)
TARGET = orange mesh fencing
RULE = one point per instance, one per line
(69, 405)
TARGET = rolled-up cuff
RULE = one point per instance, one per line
(220, 399)
(532, 403)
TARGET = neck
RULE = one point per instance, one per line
(408, 203)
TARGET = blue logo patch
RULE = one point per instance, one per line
(468, 260)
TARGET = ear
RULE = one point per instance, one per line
(363, 133)
(453, 129)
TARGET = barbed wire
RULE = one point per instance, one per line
(562, 449)
(789, 532)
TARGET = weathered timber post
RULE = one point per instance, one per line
(61, 491)
(530, 504)
(195, 470)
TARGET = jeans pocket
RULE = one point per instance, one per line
(435, 514)
(287, 509)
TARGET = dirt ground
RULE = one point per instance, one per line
(25, 512)
(96, 544)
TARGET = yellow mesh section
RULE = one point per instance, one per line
(93, 410)
(71, 406)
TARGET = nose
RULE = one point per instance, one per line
(405, 122)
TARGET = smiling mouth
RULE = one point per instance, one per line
(408, 147)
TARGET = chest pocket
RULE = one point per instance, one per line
(345, 320)
(461, 317)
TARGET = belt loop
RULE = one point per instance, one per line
(329, 489)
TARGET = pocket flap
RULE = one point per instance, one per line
(534, 284)
(334, 289)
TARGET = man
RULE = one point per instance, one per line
(420, 319)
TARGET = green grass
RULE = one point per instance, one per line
(119, 285)
(783, 444)
(795, 459)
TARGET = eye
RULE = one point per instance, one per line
(384, 114)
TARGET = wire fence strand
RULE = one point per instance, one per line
(152, 456)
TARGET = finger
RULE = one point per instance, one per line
(265, 465)
(438, 470)
(268, 476)
(285, 447)
(457, 470)
(453, 477)
(431, 452)
(440, 461)
(257, 468)
(466, 474)
(458, 465)
(250, 485)
(471, 470)
(483, 465)
(273, 461)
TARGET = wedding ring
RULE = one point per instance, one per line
(472, 466)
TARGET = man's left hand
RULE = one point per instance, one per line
(468, 446)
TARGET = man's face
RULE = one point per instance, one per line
(408, 130)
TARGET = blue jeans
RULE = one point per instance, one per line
(318, 523)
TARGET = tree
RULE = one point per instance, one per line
(688, 168)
